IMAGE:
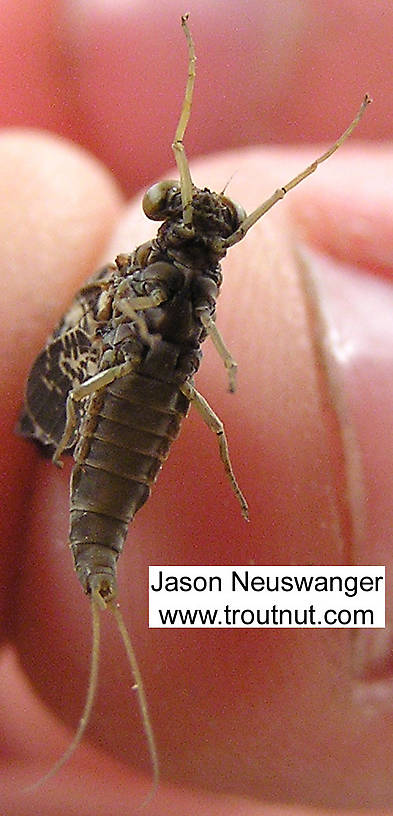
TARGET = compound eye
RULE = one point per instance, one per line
(158, 201)
(239, 212)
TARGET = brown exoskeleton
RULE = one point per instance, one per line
(115, 379)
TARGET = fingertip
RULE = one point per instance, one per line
(58, 208)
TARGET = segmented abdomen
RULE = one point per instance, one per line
(124, 439)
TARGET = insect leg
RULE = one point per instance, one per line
(90, 386)
(225, 354)
(130, 306)
(214, 423)
(178, 146)
(251, 219)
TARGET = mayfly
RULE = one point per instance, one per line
(115, 379)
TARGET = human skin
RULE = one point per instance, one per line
(278, 716)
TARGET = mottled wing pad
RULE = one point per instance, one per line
(69, 358)
(63, 363)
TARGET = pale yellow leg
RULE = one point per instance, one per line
(225, 354)
(86, 389)
(214, 423)
(130, 306)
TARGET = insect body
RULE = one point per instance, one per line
(116, 378)
(141, 331)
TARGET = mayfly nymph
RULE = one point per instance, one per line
(115, 379)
